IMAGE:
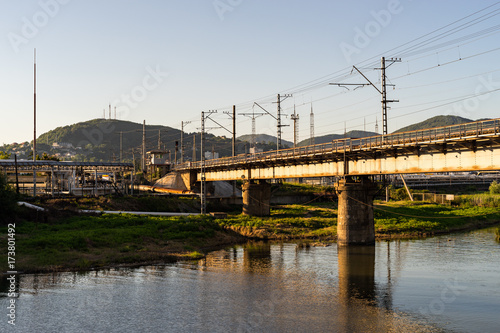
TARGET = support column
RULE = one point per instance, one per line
(256, 198)
(355, 223)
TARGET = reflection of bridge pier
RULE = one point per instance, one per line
(355, 223)
(356, 272)
(257, 256)
(356, 267)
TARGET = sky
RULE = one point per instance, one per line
(166, 61)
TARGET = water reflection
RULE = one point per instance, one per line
(269, 287)
(356, 272)
(257, 257)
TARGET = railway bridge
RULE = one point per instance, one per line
(358, 162)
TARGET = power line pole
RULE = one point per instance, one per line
(143, 164)
(182, 139)
(234, 131)
(384, 91)
(295, 118)
(34, 123)
(121, 147)
(311, 126)
(194, 148)
(202, 168)
(231, 115)
(278, 118)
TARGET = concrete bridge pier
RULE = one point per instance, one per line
(355, 223)
(256, 198)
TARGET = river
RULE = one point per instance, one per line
(442, 284)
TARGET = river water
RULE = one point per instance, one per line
(441, 284)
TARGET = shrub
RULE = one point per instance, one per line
(494, 187)
(8, 199)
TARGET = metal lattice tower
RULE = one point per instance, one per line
(253, 116)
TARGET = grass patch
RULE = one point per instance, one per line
(287, 221)
(82, 242)
(404, 217)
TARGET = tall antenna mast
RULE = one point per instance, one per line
(115, 112)
(109, 111)
(376, 125)
(311, 126)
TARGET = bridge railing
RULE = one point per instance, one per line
(436, 134)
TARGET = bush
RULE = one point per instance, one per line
(494, 187)
(8, 199)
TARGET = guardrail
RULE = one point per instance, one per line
(437, 134)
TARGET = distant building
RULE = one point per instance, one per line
(158, 160)
(255, 150)
(210, 156)
(62, 145)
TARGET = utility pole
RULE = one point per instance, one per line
(234, 131)
(109, 111)
(382, 91)
(182, 141)
(278, 118)
(194, 148)
(121, 147)
(203, 192)
(234, 145)
(231, 115)
(295, 118)
(34, 123)
(311, 126)
(143, 164)
(115, 112)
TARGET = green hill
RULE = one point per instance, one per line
(265, 139)
(99, 140)
(436, 121)
(330, 137)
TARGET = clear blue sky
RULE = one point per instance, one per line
(223, 52)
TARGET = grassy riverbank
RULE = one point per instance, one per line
(84, 242)
(66, 241)
(400, 219)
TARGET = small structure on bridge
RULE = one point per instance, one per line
(158, 162)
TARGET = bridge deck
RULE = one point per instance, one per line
(476, 144)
